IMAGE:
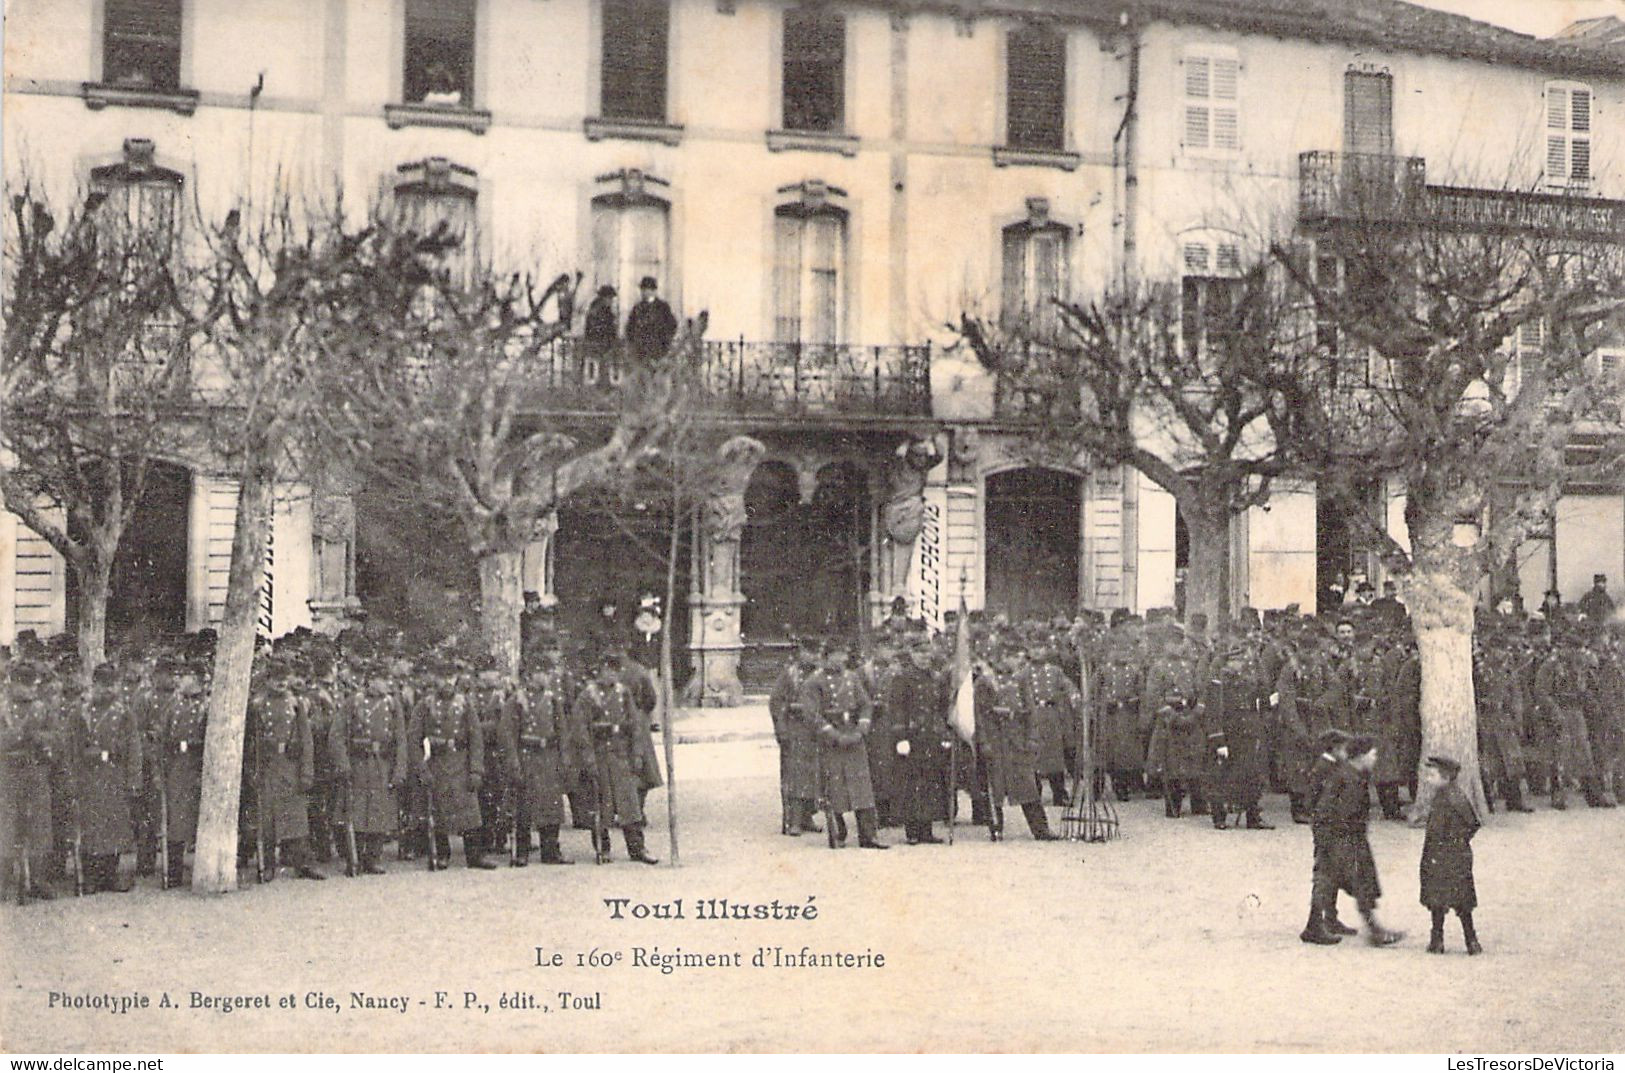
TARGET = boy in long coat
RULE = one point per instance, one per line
(1342, 810)
(1447, 855)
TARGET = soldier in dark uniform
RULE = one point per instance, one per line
(1342, 810)
(30, 744)
(182, 723)
(369, 746)
(1399, 708)
(284, 770)
(916, 698)
(320, 707)
(1235, 737)
(605, 707)
(1007, 747)
(449, 752)
(797, 761)
(1177, 752)
(1120, 750)
(1604, 721)
(107, 769)
(1559, 696)
(491, 703)
(1056, 714)
(640, 689)
(550, 756)
(881, 744)
(140, 698)
(1500, 717)
(837, 711)
(1447, 856)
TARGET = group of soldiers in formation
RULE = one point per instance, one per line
(351, 743)
(1211, 724)
(348, 744)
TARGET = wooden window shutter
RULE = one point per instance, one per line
(634, 60)
(814, 70)
(1368, 113)
(141, 43)
(1211, 85)
(1035, 100)
(1568, 134)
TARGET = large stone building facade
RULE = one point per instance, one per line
(834, 183)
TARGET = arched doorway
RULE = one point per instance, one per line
(804, 567)
(610, 551)
(1032, 536)
(147, 589)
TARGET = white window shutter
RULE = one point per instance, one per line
(1196, 259)
(1196, 127)
(1557, 108)
(1580, 160)
(1197, 76)
(1229, 259)
(1226, 129)
(1580, 111)
(1226, 73)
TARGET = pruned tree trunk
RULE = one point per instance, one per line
(501, 603)
(1207, 575)
(93, 572)
(215, 868)
(1442, 616)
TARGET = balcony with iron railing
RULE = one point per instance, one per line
(1383, 190)
(800, 381)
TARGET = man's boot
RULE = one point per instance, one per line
(867, 830)
(1376, 934)
(551, 854)
(1513, 792)
(474, 851)
(1219, 811)
(1469, 933)
(840, 829)
(1388, 798)
(1038, 822)
(1436, 934)
(809, 817)
(297, 857)
(370, 849)
(1300, 813)
(1336, 926)
(1057, 790)
(635, 848)
(1256, 821)
(1315, 930)
(177, 860)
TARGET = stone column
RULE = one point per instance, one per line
(715, 624)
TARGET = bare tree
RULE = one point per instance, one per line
(445, 382)
(94, 378)
(1459, 365)
(282, 274)
(1148, 374)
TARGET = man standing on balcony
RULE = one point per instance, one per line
(651, 326)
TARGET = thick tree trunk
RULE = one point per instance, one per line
(215, 868)
(93, 572)
(1207, 576)
(1442, 616)
(502, 600)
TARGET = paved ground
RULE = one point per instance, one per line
(1178, 937)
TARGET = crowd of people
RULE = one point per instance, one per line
(356, 741)
(349, 744)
